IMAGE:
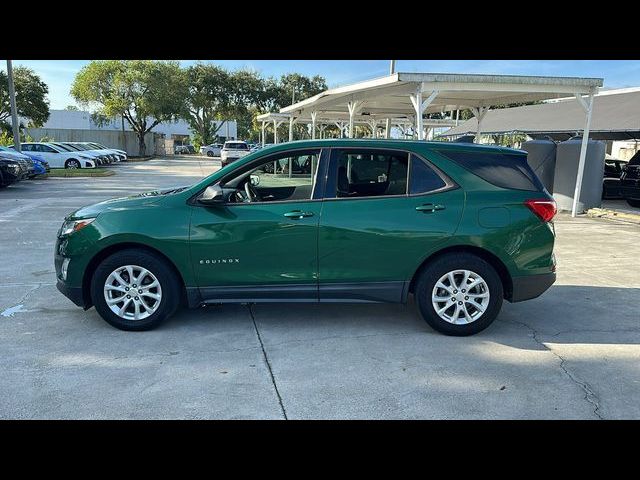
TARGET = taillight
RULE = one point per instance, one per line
(544, 208)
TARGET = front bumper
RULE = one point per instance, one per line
(531, 286)
(72, 293)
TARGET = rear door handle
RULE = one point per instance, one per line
(429, 208)
(297, 214)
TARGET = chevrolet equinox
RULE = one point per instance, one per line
(458, 226)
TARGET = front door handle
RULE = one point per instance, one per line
(297, 214)
(429, 208)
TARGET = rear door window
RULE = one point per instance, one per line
(423, 177)
(369, 173)
(505, 170)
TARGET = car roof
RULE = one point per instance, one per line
(395, 143)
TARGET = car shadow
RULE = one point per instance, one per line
(565, 313)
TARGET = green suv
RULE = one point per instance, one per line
(459, 226)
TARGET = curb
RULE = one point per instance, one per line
(613, 215)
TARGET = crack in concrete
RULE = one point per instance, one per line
(266, 359)
(589, 394)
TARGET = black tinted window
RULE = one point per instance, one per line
(423, 177)
(500, 169)
(366, 173)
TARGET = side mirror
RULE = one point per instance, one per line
(212, 194)
(254, 179)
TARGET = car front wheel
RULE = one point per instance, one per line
(135, 290)
(72, 164)
(459, 294)
(634, 203)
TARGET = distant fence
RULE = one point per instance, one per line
(127, 140)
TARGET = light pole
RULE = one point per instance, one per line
(14, 114)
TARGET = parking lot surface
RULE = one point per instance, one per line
(572, 353)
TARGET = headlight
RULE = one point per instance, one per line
(70, 226)
(14, 167)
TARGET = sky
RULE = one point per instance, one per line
(59, 74)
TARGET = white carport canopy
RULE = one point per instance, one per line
(341, 120)
(411, 95)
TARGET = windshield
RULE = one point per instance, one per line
(59, 146)
(236, 146)
(79, 146)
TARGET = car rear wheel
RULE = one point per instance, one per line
(135, 290)
(459, 294)
(72, 164)
(634, 203)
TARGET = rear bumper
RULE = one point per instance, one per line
(531, 286)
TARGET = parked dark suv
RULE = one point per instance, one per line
(459, 226)
(13, 170)
(630, 181)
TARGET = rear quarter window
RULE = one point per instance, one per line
(500, 169)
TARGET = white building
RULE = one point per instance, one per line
(178, 131)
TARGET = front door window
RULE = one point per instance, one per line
(284, 177)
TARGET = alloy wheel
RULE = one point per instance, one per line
(460, 297)
(132, 292)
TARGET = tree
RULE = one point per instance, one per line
(31, 97)
(294, 87)
(208, 100)
(280, 93)
(72, 108)
(144, 92)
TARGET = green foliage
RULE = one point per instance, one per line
(72, 108)
(208, 91)
(204, 95)
(144, 92)
(6, 139)
(31, 97)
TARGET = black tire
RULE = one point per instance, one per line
(171, 289)
(209, 153)
(72, 163)
(634, 203)
(448, 263)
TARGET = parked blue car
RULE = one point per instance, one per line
(39, 165)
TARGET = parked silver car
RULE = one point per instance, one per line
(212, 150)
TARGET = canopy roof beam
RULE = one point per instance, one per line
(420, 106)
(479, 113)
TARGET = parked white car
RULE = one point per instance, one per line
(99, 158)
(212, 150)
(58, 157)
(121, 153)
(232, 151)
(102, 151)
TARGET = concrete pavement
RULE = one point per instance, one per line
(572, 353)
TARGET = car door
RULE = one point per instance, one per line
(384, 212)
(265, 250)
(55, 159)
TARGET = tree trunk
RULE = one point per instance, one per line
(142, 147)
(204, 135)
